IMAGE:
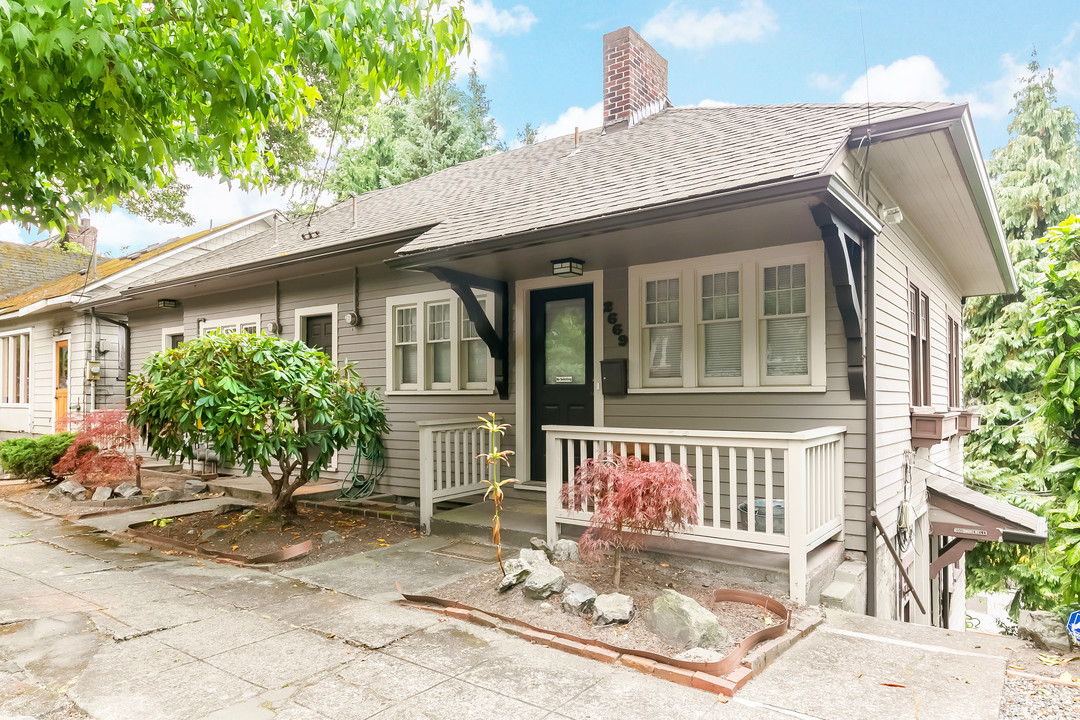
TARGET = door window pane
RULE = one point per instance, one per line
(61, 366)
(564, 342)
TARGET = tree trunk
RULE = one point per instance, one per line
(618, 557)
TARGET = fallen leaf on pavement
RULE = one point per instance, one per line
(889, 684)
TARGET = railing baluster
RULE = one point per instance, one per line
(751, 492)
(716, 492)
(699, 483)
(667, 453)
(733, 488)
(768, 492)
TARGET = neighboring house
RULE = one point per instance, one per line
(25, 266)
(770, 295)
(59, 356)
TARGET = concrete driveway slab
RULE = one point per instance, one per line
(367, 686)
(842, 677)
(450, 647)
(356, 621)
(629, 695)
(285, 659)
(219, 633)
(539, 675)
(461, 701)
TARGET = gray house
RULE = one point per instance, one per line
(769, 295)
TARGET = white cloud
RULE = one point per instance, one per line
(574, 117)
(823, 81)
(518, 19)
(708, 102)
(12, 233)
(687, 29)
(918, 78)
(485, 18)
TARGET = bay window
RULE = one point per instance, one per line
(751, 320)
(432, 346)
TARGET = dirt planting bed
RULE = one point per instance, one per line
(254, 532)
(642, 579)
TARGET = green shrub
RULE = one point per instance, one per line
(33, 458)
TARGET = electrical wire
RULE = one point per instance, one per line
(329, 153)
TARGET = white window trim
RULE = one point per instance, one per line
(168, 332)
(28, 369)
(522, 358)
(301, 315)
(458, 384)
(239, 321)
(751, 264)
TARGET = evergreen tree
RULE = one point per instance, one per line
(1036, 180)
(408, 138)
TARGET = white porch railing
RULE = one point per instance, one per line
(739, 477)
(449, 467)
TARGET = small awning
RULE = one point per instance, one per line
(960, 512)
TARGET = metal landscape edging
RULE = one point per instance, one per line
(720, 667)
(286, 553)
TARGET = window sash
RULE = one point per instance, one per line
(919, 348)
(785, 331)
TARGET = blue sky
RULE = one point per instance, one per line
(541, 62)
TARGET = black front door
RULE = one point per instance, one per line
(560, 364)
(319, 333)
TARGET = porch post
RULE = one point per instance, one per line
(553, 460)
(427, 478)
(795, 517)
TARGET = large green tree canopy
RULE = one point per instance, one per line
(100, 99)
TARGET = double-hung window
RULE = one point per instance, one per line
(15, 368)
(433, 346)
(956, 396)
(246, 324)
(745, 320)
(919, 345)
(785, 323)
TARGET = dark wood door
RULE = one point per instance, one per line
(319, 333)
(560, 364)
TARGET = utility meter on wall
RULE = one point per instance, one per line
(93, 370)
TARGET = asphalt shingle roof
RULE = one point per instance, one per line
(676, 154)
(24, 266)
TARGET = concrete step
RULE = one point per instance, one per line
(839, 595)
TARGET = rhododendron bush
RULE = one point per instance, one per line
(629, 499)
(104, 451)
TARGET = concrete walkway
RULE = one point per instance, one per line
(94, 627)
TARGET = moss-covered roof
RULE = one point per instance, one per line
(74, 280)
(24, 266)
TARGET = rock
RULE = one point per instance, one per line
(533, 558)
(226, 508)
(544, 581)
(195, 486)
(72, 489)
(703, 655)
(516, 572)
(164, 495)
(578, 599)
(542, 546)
(55, 493)
(613, 609)
(101, 494)
(545, 605)
(127, 490)
(332, 537)
(683, 622)
(209, 534)
(1045, 629)
(566, 550)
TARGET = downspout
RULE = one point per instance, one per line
(870, 258)
(127, 344)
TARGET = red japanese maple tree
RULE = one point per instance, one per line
(104, 451)
(630, 498)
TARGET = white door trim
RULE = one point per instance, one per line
(522, 288)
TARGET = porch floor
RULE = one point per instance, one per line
(520, 518)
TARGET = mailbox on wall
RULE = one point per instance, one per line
(613, 377)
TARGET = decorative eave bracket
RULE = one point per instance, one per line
(843, 249)
(497, 340)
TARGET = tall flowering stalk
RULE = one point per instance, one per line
(494, 458)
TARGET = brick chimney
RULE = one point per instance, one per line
(635, 77)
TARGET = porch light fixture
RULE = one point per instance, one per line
(166, 303)
(567, 267)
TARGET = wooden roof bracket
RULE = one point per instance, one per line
(843, 250)
(497, 340)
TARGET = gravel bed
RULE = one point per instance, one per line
(1029, 699)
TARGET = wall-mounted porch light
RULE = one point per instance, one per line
(567, 267)
(166, 303)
